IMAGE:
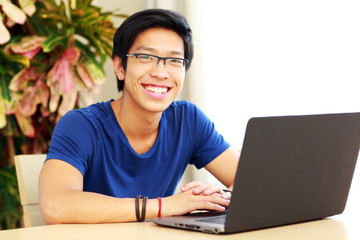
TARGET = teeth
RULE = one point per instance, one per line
(156, 90)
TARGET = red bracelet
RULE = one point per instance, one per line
(159, 213)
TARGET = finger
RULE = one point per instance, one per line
(214, 207)
(208, 189)
(221, 201)
(203, 187)
(190, 185)
(214, 202)
(226, 195)
(213, 189)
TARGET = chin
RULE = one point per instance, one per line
(158, 107)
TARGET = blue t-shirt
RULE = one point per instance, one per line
(92, 141)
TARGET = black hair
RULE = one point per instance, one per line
(127, 32)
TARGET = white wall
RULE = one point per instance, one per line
(279, 57)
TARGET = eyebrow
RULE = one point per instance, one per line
(153, 50)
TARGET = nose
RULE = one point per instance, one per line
(160, 70)
(159, 59)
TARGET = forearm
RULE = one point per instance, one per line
(72, 206)
(62, 200)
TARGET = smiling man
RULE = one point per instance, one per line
(121, 160)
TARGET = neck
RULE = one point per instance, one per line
(135, 121)
(140, 127)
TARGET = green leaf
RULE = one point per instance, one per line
(83, 3)
(16, 58)
(5, 92)
(54, 40)
(89, 55)
(9, 195)
(108, 48)
(97, 45)
(89, 16)
(11, 127)
(120, 15)
(37, 26)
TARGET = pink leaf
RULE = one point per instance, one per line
(27, 6)
(13, 12)
(85, 77)
(19, 81)
(28, 46)
(25, 125)
(43, 93)
(67, 103)
(63, 70)
(2, 114)
(4, 33)
(54, 97)
(28, 103)
(44, 112)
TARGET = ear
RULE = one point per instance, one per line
(118, 67)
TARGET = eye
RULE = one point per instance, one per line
(145, 58)
(176, 62)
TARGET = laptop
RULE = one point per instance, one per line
(292, 169)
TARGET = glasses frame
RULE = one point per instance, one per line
(186, 61)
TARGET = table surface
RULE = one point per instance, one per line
(327, 229)
(340, 227)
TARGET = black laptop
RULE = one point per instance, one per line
(291, 169)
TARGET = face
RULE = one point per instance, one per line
(152, 89)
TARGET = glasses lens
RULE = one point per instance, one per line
(146, 59)
(172, 64)
(175, 62)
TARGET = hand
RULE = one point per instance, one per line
(185, 202)
(206, 189)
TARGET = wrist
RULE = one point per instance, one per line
(152, 208)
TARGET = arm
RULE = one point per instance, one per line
(62, 200)
(223, 168)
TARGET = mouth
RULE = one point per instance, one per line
(156, 89)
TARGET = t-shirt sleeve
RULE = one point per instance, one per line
(208, 144)
(73, 140)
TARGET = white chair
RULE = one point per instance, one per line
(28, 169)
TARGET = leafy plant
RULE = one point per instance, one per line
(9, 201)
(52, 54)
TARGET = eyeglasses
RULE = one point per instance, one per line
(171, 63)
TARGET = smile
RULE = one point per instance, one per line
(156, 90)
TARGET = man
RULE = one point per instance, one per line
(103, 157)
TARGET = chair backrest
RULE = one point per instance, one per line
(28, 169)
